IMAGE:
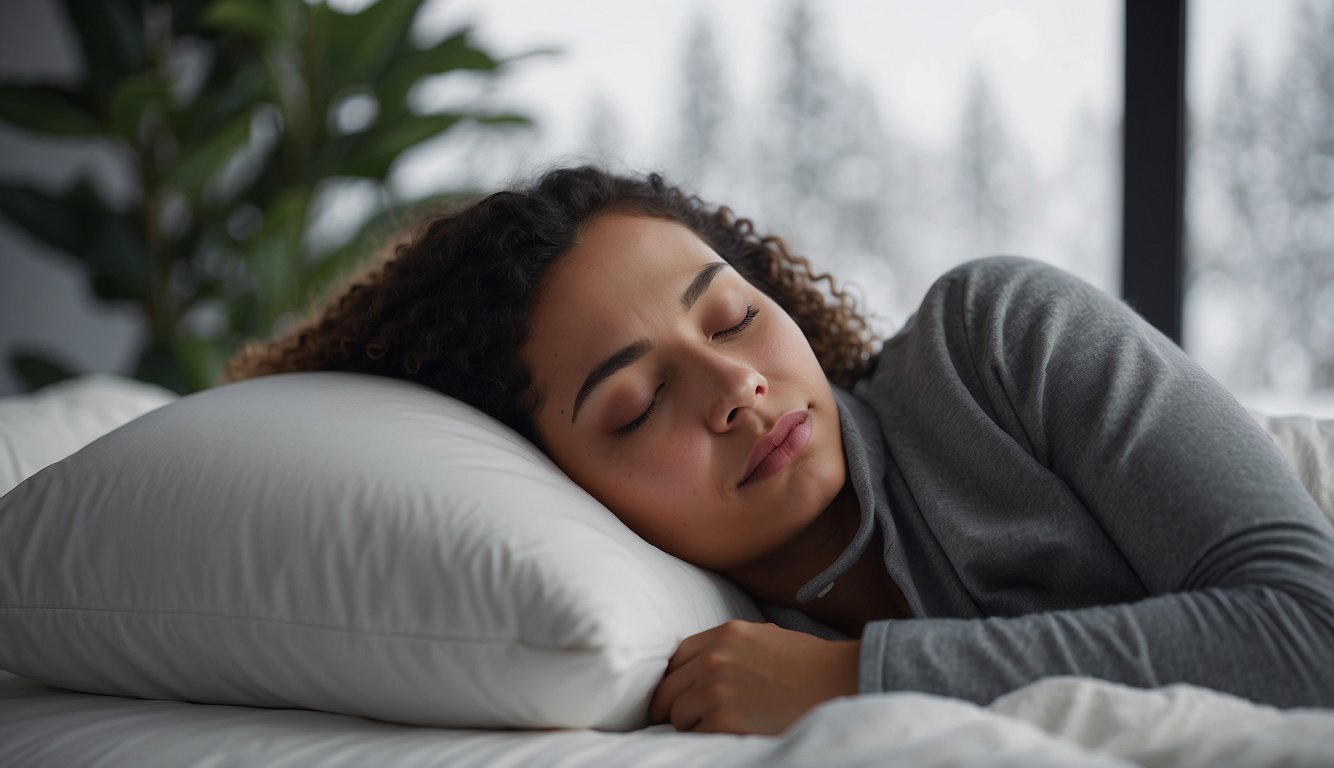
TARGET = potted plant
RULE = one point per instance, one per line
(235, 116)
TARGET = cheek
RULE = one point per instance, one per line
(652, 488)
(786, 351)
(665, 467)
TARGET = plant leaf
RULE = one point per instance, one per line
(117, 260)
(234, 87)
(187, 17)
(357, 48)
(372, 153)
(47, 108)
(200, 162)
(60, 221)
(36, 370)
(273, 256)
(502, 118)
(454, 53)
(184, 363)
(200, 360)
(256, 19)
(135, 99)
(244, 316)
(380, 232)
(113, 40)
(160, 364)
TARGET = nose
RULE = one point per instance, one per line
(734, 386)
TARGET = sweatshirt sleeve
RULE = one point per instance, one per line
(1235, 558)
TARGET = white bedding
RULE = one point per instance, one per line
(50, 424)
(1057, 722)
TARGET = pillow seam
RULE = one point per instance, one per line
(323, 627)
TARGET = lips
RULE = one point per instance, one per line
(777, 449)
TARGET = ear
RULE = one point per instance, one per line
(527, 400)
(526, 403)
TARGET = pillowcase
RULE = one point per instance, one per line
(58, 420)
(1308, 445)
(344, 543)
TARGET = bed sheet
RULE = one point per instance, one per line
(1056, 722)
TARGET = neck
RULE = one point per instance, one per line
(864, 593)
(776, 576)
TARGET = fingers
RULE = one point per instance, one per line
(696, 644)
(694, 700)
(687, 712)
(664, 698)
(683, 671)
(744, 677)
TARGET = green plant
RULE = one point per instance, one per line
(235, 115)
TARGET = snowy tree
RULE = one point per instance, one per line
(803, 107)
(827, 169)
(1234, 250)
(1302, 279)
(1082, 217)
(1262, 213)
(704, 105)
(989, 176)
(605, 134)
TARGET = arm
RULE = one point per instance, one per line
(1237, 562)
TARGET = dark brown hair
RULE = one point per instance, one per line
(449, 306)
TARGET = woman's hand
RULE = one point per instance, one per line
(744, 677)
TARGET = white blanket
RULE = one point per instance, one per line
(1063, 722)
(1056, 722)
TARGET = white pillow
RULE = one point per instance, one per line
(1308, 445)
(344, 543)
(58, 420)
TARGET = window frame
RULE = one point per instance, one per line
(1153, 262)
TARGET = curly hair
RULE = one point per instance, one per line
(449, 307)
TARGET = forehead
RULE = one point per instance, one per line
(620, 257)
(628, 250)
(625, 272)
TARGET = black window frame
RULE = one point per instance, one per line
(1153, 145)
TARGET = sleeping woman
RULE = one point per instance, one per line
(1027, 480)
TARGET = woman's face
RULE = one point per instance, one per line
(680, 396)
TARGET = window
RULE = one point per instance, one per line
(1259, 308)
(887, 141)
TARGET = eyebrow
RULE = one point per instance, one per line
(700, 284)
(637, 349)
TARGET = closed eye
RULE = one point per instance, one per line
(751, 312)
(643, 417)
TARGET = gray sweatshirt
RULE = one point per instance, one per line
(1061, 491)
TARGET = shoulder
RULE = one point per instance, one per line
(1008, 281)
(1000, 267)
(1003, 311)
(1012, 298)
(998, 289)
